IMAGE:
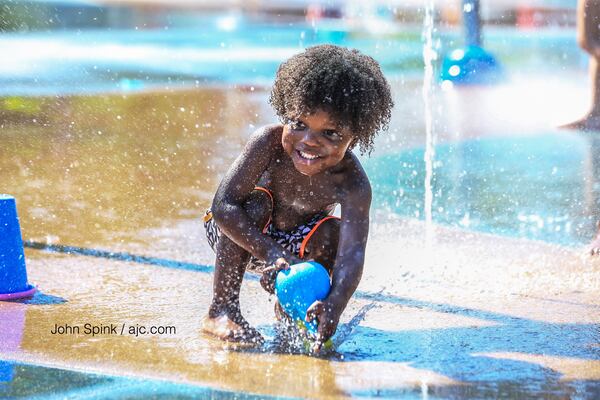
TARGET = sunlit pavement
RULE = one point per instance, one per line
(476, 315)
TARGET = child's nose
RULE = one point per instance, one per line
(310, 138)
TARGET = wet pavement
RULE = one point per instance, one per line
(477, 315)
(485, 316)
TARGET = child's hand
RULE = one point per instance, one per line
(327, 318)
(267, 280)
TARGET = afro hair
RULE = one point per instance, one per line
(343, 82)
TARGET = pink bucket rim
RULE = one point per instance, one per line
(17, 295)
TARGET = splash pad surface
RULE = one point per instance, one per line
(476, 315)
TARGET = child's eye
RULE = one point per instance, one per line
(296, 125)
(333, 135)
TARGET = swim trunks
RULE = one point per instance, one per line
(294, 240)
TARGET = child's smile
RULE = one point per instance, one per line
(307, 156)
(315, 143)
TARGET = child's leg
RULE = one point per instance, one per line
(224, 318)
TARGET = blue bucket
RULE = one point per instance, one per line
(299, 287)
(7, 373)
(13, 273)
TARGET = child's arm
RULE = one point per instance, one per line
(238, 183)
(348, 266)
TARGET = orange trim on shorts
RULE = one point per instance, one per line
(267, 191)
(313, 230)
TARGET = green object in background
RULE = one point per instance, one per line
(22, 104)
(23, 16)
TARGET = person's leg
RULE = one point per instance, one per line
(594, 247)
(224, 318)
(595, 78)
(593, 196)
(591, 121)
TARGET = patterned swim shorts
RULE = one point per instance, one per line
(294, 240)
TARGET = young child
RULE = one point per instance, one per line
(274, 205)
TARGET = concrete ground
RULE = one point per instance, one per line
(475, 316)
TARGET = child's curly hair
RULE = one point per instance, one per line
(343, 82)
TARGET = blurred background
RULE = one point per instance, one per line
(72, 47)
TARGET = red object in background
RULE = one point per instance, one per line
(526, 17)
(314, 12)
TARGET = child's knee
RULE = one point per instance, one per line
(259, 208)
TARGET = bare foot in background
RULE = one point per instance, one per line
(589, 123)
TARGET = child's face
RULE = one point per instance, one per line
(315, 143)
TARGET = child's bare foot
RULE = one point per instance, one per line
(594, 248)
(589, 123)
(231, 328)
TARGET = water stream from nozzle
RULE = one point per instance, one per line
(428, 58)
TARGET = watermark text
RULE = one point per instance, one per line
(122, 329)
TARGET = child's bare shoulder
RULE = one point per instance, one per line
(353, 179)
(268, 134)
(263, 142)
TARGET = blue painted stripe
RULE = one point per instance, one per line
(124, 256)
